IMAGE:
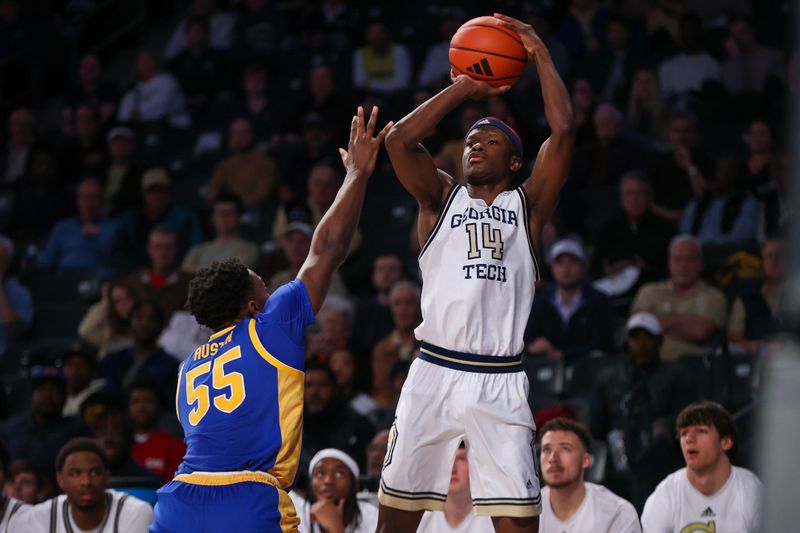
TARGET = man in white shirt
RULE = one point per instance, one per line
(156, 95)
(709, 494)
(693, 66)
(8, 506)
(86, 505)
(569, 504)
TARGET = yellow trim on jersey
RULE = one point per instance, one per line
(465, 362)
(516, 511)
(416, 504)
(289, 518)
(216, 479)
(178, 391)
(221, 333)
(290, 410)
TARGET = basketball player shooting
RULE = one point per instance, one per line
(479, 266)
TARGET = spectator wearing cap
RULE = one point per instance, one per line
(86, 241)
(38, 434)
(691, 312)
(381, 66)
(227, 243)
(153, 448)
(569, 319)
(158, 209)
(156, 96)
(247, 172)
(331, 503)
(80, 375)
(122, 177)
(16, 302)
(638, 399)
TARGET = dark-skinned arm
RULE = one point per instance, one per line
(335, 231)
(552, 163)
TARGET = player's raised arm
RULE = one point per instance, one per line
(336, 229)
(552, 163)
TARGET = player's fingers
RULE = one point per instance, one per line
(382, 134)
(506, 19)
(353, 128)
(373, 118)
(360, 123)
(343, 154)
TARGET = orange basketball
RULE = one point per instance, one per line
(486, 51)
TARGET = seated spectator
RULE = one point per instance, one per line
(349, 379)
(220, 27)
(569, 502)
(637, 401)
(156, 96)
(144, 359)
(664, 27)
(689, 69)
(82, 470)
(632, 247)
(691, 312)
(37, 434)
(435, 71)
(400, 344)
(247, 172)
(381, 65)
(764, 176)
(326, 99)
(327, 420)
(257, 105)
(336, 320)
(755, 313)
(458, 513)
(296, 159)
(183, 335)
(161, 282)
(27, 485)
(750, 64)
(82, 152)
(710, 492)
(80, 374)
(93, 90)
(122, 177)
(16, 302)
(153, 448)
(295, 245)
(647, 111)
(112, 431)
(11, 503)
(584, 101)
(569, 319)
(258, 33)
(678, 173)
(383, 417)
(107, 324)
(226, 210)
(203, 71)
(331, 503)
(157, 209)
(610, 69)
(726, 216)
(376, 456)
(24, 155)
(583, 29)
(86, 241)
(373, 316)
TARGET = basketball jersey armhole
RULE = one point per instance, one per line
(448, 202)
(526, 217)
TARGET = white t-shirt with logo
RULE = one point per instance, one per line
(677, 506)
(601, 511)
(435, 522)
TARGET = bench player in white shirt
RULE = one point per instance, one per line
(478, 268)
(570, 504)
(709, 495)
(86, 505)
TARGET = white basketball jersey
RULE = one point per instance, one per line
(677, 506)
(478, 273)
(601, 511)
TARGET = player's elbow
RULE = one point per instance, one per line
(397, 138)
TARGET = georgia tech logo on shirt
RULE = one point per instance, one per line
(699, 527)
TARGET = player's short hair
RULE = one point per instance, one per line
(218, 292)
(564, 424)
(707, 413)
(80, 444)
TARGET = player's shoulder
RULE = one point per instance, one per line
(605, 497)
(32, 517)
(669, 487)
(747, 479)
(131, 505)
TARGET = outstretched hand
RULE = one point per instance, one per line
(362, 150)
(530, 39)
(478, 90)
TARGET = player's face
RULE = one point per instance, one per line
(331, 480)
(83, 479)
(259, 293)
(459, 477)
(563, 459)
(488, 156)
(702, 447)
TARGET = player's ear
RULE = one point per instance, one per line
(516, 163)
(587, 460)
(726, 443)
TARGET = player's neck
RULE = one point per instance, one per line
(565, 501)
(487, 191)
(88, 519)
(710, 480)
(456, 507)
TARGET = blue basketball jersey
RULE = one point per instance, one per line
(240, 395)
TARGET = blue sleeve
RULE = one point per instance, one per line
(289, 309)
(746, 225)
(48, 258)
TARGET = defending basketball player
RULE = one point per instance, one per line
(479, 267)
(240, 395)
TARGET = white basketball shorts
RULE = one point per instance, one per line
(450, 397)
